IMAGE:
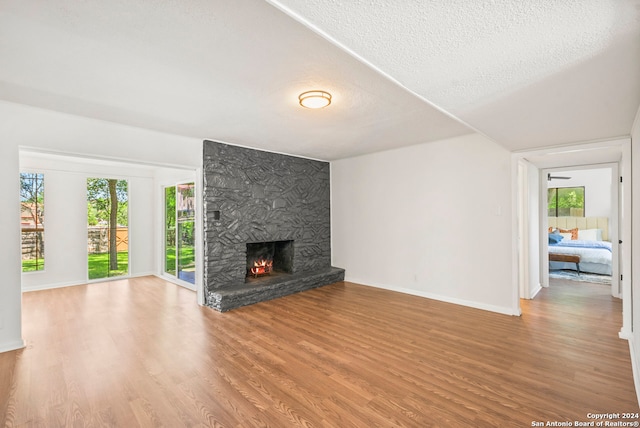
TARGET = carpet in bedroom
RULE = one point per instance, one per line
(585, 277)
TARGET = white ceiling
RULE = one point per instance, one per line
(525, 73)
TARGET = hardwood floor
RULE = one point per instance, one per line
(140, 352)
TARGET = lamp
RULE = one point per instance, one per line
(315, 99)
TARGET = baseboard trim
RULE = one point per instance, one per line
(447, 299)
(74, 283)
(11, 346)
(634, 366)
(535, 292)
(624, 334)
(52, 286)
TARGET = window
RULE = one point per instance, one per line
(108, 227)
(565, 201)
(32, 221)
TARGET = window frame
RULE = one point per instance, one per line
(39, 219)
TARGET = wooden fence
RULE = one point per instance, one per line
(97, 241)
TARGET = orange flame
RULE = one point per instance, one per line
(261, 267)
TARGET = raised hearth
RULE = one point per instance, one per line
(224, 299)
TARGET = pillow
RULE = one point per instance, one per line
(566, 236)
(573, 232)
(590, 235)
(554, 238)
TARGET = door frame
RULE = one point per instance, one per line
(610, 151)
(174, 278)
(613, 222)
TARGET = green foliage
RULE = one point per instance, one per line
(32, 195)
(562, 199)
(99, 201)
(32, 265)
(187, 258)
(170, 207)
(99, 265)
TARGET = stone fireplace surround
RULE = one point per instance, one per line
(254, 196)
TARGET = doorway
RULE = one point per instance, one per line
(179, 233)
(583, 199)
(530, 249)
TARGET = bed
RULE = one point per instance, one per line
(587, 237)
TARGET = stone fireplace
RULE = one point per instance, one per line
(267, 225)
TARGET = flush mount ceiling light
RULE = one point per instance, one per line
(315, 99)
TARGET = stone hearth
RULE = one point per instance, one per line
(226, 298)
(252, 196)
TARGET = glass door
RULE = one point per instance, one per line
(179, 232)
(170, 230)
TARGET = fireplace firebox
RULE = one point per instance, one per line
(265, 258)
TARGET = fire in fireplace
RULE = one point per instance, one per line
(265, 258)
(261, 267)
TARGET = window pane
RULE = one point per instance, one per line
(185, 205)
(32, 221)
(108, 231)
(170, 230)
(566, 201)
(551, 201)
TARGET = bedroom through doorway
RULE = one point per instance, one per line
(531, 223)
(581, 221)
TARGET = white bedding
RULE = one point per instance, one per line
(590, 255)
(596, 260)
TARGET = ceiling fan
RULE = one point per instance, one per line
(556, 177)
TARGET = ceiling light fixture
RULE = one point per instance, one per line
(315, 99)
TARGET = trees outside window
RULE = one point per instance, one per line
(108, 231)
(565, 201)
(32, 221)
(179, 231)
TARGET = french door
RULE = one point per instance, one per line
(179, 229)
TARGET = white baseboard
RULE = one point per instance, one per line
(139, 274)
(11, 346)
(535, 291)
(74, 283)
(624, 334)
(51, 286)
(634, 366)
(447, 299)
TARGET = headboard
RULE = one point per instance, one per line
(582, 223)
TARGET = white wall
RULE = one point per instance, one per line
(597, 188)
(635, 249)
(45, 130)
(65, 181)
(432, 220)
(530, 217)
(10, 292)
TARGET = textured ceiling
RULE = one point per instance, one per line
(524, 73)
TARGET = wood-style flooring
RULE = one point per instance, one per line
(140, 352)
